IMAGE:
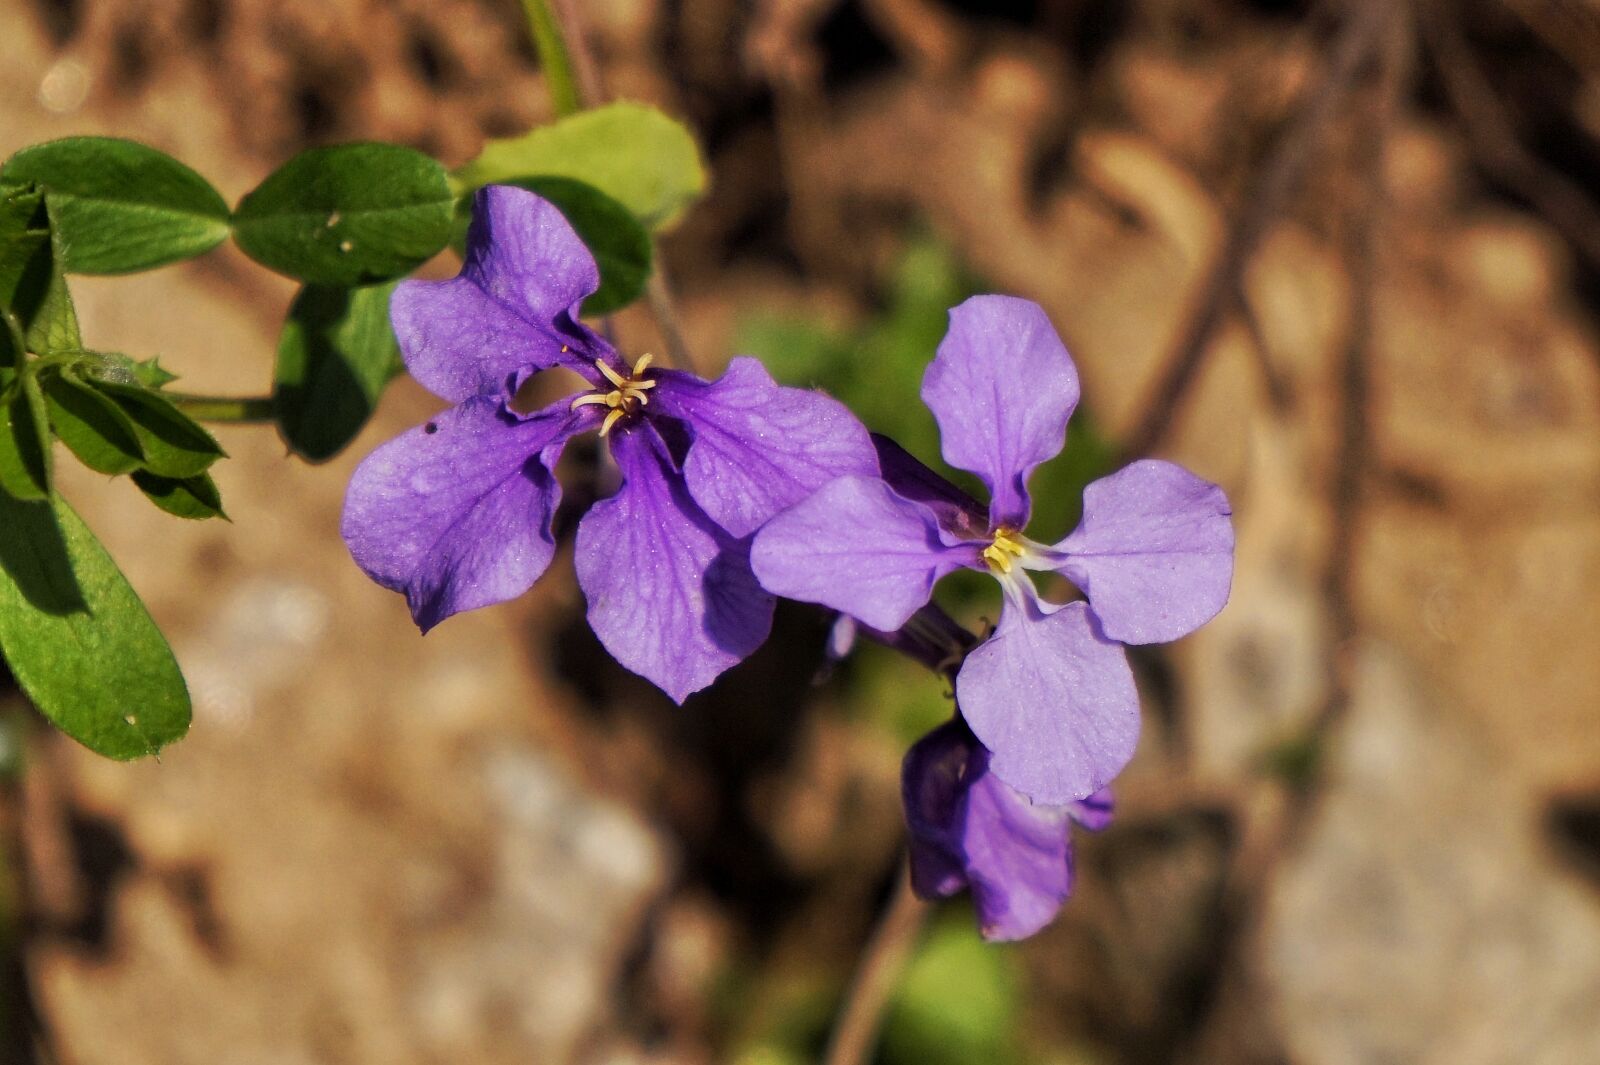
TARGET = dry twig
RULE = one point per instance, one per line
(1279, 173)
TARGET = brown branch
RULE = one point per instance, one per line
(1264, 199)
(591, 93)
(1494, 140)
(1353, 449)
(877, 974)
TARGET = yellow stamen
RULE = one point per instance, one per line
(630, 393)
(1001, 554)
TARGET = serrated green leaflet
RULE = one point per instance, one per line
(174, 445)
(619, 243)
(120, 206)
(195, 498)
(93, 427)
(336, 353)
(348, 215)
(24, 441)
(78, 639)
(633, 153)
(31, 286)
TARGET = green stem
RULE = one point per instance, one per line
(242, 410)
(20, 354)
(553, 56)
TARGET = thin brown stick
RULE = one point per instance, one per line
(1353, 450)
(856, 1032)
(1264, 199)
(591, 93)
(1494, 140)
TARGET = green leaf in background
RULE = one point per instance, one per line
(958, 1002)
(174, 444)
(631, 152)
(352, 214)
(24, 441)
(196, 498)
(78, 639)
(93, 427)
(336, 353)
(120, 206)
(619, 243)
(32, 288)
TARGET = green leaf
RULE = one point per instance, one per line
(188, 497)
(619, 243)
(31, 285)
(174, 444)
(121, 206)
(348, 215)
(336, 353)
(93, 427)
(77, 638)
(24, 442)
(631, 152)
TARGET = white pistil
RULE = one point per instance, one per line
(630, 393)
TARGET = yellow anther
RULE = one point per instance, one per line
(630, 393)
(1001, 554)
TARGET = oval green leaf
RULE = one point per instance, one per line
(336, 353)
(93, 427)
(631, 152)
(195, 498)
(174, 444)
(120, 206)
(78, 639)
(24, 441)
(348, 215)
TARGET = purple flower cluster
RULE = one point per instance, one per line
(737, 490)
(456, 513)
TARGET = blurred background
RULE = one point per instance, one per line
(1341, 258)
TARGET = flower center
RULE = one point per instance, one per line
(625, 398)
(1003, 552)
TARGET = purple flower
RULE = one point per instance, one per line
(970, 829)
(456, 513)
(1050, 693)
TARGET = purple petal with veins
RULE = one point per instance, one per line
(1002, 387)
(513, 308)
(758, 447)
(456, 513)
(670, 593)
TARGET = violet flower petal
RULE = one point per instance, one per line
(759, 447)
(1154, 552)
(858, 547)
(912, 479)
(671, 595)
(1019, 857)
(1053, 699)
(456, 513)
(1093, 813)
(513, 307)
(1002, 387)
(968, 828)
(932, 780)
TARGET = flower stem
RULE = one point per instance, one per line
(877, 974)
(554, 58)
(575, 84)
(242, 410)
